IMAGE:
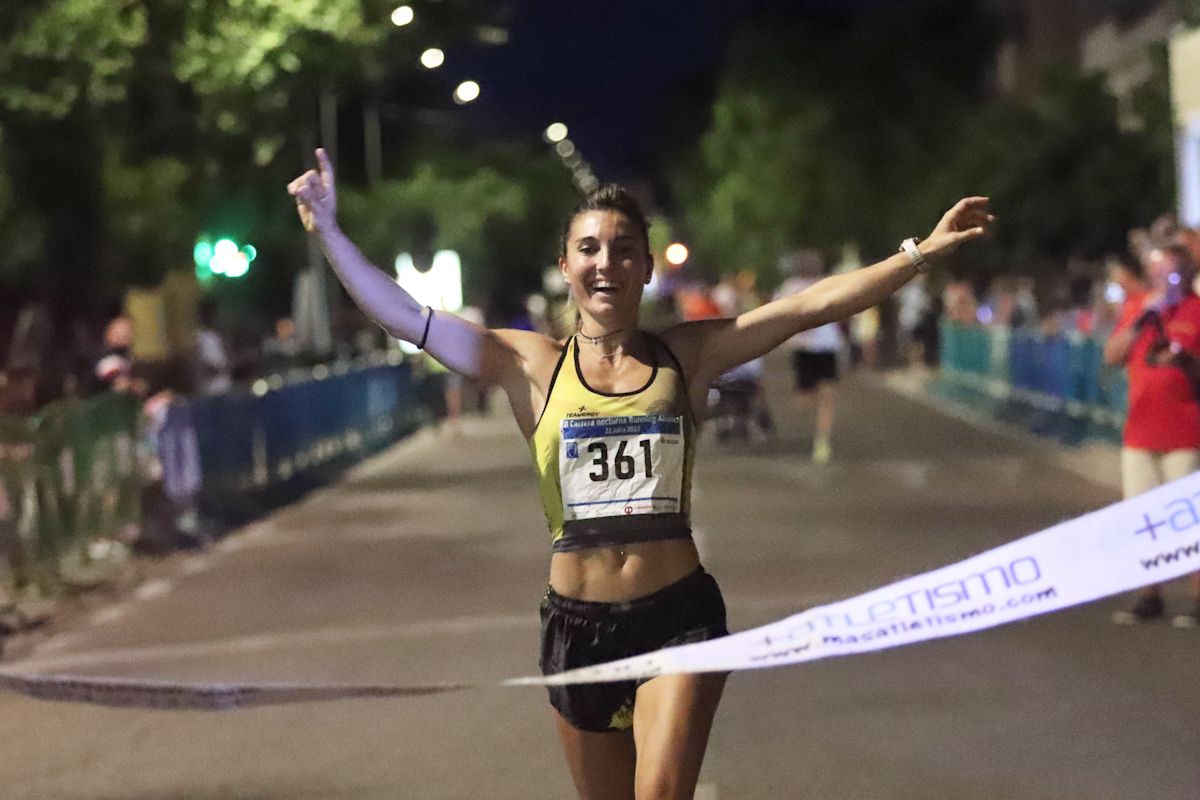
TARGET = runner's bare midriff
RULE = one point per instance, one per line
(603, 574)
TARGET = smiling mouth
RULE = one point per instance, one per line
(604, 289)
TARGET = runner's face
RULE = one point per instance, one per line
(606, 263)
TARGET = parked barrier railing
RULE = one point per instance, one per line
(1056, 385)
(69, 484)
(73, 477)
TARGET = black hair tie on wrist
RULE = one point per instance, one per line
(425, 335)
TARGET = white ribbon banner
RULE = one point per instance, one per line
(1149, 539)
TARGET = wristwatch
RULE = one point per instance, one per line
(909, 248)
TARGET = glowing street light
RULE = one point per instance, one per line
(432, 58)
(565, 148)
(556, 132)
(677, 254)
(402, 16)
(467, 91)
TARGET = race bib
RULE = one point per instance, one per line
(615, 466)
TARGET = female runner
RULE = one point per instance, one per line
(608, 417)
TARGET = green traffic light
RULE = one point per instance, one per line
(225, 252)
(202, 253)
(222, 258)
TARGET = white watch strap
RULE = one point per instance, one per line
(909, 248)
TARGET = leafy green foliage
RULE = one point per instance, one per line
(151, 222)
(398, 215)
(22, 231)
(826, 130)
(1068, 179)
(253, 43)
(54, 55)
(867, 128)
(1190, 10)
(139, 124)
(249, 61)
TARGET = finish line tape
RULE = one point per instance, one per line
(169, 696)
(1134, 543)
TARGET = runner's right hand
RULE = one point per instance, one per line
(315, 195)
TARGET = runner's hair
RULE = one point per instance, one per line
(609, 197)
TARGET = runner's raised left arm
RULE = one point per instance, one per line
(715, 346)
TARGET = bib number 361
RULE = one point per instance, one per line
(618, 466)
(624, 466)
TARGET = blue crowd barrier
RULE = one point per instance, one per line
(1056, 386)
(276, 434)
(80, 480)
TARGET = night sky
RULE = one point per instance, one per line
(608, 68)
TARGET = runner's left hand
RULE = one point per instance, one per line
(968, 220)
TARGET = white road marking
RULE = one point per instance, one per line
(110, 614)
(912, 474)
(1093, 461)
(56, 643)
(151, 589)
(256, 534)
(269, 641)
(196, 565)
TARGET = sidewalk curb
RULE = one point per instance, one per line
(1097, 462)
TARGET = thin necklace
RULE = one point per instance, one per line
(598, 339)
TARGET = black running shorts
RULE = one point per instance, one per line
(581, 633)
(812, 368)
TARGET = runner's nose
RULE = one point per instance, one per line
(604, 259)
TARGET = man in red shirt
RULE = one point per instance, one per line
(1158, 341)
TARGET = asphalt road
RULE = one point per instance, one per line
(426, 565)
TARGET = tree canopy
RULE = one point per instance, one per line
(865, 128)
(130, 127)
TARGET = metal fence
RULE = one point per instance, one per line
(76, 480)
(1053, 385)
(68, 483)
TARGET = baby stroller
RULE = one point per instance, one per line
(737, 409)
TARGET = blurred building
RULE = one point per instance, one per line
(1121, 40)
(1121, 47)
(1185, 98)
(1036, 37)
(1113, 37)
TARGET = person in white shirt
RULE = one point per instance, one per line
(814, 352)
(214, 373)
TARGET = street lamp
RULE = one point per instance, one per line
(677, 254)
(432, 58)
(568, 154)
(402, 16)
(467, 92)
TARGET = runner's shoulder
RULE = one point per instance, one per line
(535, 350)
(686, 340)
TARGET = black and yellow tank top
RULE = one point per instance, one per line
(615, 468)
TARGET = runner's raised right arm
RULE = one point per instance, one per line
(469, 349)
